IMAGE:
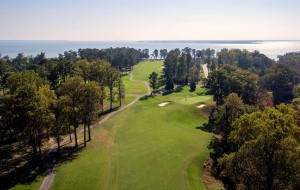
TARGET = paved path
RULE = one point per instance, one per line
(205, 70)
(50, 173)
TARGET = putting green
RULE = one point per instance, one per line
(194, 100)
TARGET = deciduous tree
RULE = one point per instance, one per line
(153, 81)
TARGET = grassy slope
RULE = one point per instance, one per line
(144, 147)
(141, 72)
(37, 183)
(134, 87)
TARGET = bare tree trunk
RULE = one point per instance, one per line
(70, 135)
(84, 134)
(40, 150)
(120, 95)
(39, 142)
(58, 143)
(102, 101)
(111, 98)
(75, 134)
(89, 131)
(34, 150)
(102, 105)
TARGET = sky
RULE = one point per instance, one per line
(123, 20)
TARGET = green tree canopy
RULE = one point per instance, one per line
(268, 150)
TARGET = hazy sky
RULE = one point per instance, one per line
(149, 20)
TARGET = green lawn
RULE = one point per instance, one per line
(194, 100)
(134, 87)
(38, 181)
(145, 146)
(144, 69)
(141, 72)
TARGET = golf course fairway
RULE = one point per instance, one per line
(144, 146)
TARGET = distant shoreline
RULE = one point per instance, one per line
(52, 48)
(162, 41)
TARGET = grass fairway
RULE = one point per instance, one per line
(144, 69)
(194, 100)
(143, 147)
(38, 181)
(134, 87)
(141, 72)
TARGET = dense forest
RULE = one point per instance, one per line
(255, 120)
(52, 97)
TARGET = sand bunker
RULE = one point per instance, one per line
(162, 67)
(163, 104)
(201, 106)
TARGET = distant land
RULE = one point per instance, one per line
(52, 48)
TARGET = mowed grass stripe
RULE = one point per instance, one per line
(144, 69)
(143, 147)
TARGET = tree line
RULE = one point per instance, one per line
(255, 121)
(45, 98)
(182, 67)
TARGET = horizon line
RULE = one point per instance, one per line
(145, 40)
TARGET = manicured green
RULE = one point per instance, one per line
(143, 147)
(144, 69)
(194, 100)
(141, 72)
(134, 87)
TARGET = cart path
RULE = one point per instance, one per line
(50, 173)
(205, 70)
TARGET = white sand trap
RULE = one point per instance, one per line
(163, 104)
(162, 67)
(201, 106)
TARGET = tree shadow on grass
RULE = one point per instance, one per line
(20, 167)
(165, 93)
(178, 89)
(203, 93)
(107, 111)
(206, 127)
(68, 154)
(146, 97)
